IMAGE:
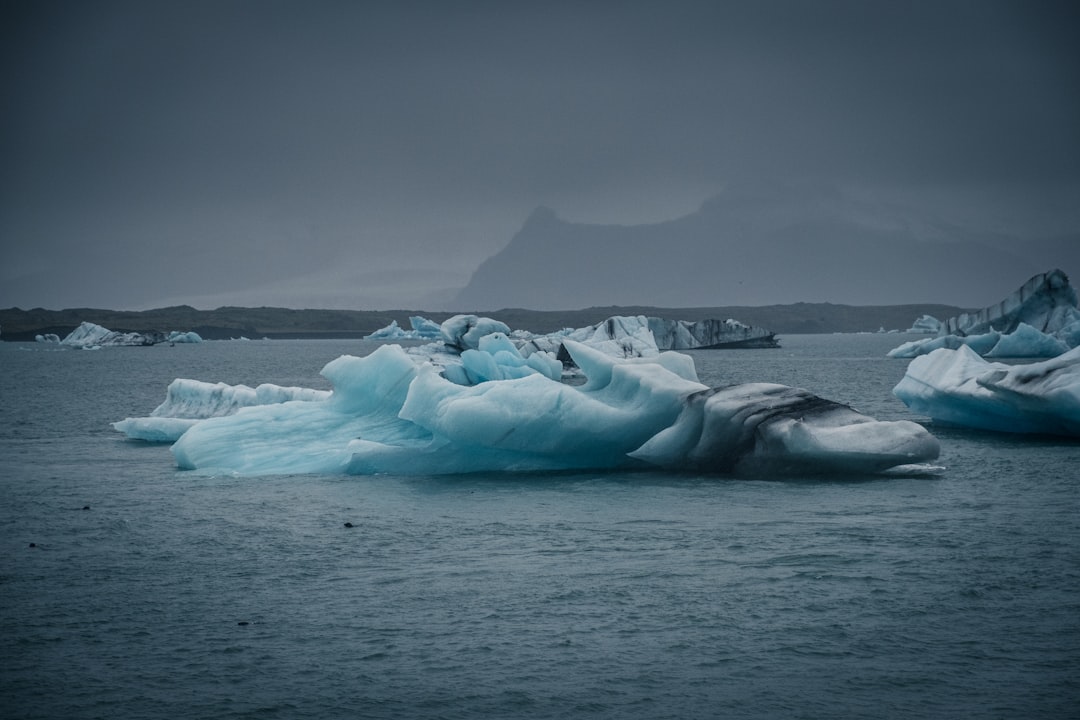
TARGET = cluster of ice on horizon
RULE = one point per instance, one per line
(957, 387)
(190, 401)
(618, 336)
(686, 335)
(643, 337)
(1039, 320)
(422, 329)
(90, 335)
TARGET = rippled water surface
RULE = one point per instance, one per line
(645, 595)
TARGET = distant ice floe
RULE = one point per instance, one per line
(421, 329)
(90, 335)
(497, 408)
(957, 387)
(1039, 320)
(926, 324)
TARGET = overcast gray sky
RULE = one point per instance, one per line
(362, 154)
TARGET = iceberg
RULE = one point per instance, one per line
(958, 387)
(926, 324)
(183, 337)
(190, 401)
(709, 334)
(390, 413)
(463, 332)
(421, 329)
(91, 335)
(639, 336)
(1039, 320)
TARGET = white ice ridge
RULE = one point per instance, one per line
(389, 413)
(1038, 320)
(90, 335)
(957, 387)
(190, 401)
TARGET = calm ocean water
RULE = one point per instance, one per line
(584, 595)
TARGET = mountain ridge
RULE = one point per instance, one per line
(756, 244)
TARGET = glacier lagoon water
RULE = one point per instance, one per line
(620, 595)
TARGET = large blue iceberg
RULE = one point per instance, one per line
(1038, 320)
(957, 387)
(496, 409)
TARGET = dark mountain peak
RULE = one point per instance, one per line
(541, 216)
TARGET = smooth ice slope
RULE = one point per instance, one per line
(390, 414)
(957, 387)
(190, 401)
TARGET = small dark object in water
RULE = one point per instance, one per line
(348, 524)
(243, 622)
(85, 507)
(33, 544)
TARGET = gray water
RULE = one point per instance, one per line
(585, 595)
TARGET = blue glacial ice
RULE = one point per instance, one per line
(957, 387)
(1038, 320)
(421, 329)
(396, 412)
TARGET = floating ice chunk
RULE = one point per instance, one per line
(422, 329)
(392, 331)
(711, 333)
(184, 337)
(388, 414)
(957, 387)
(926, 324)
(189, 401)
(89, 335)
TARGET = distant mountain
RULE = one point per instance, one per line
(760, 244)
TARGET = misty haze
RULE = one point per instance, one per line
(375, 156)
(409, 359)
